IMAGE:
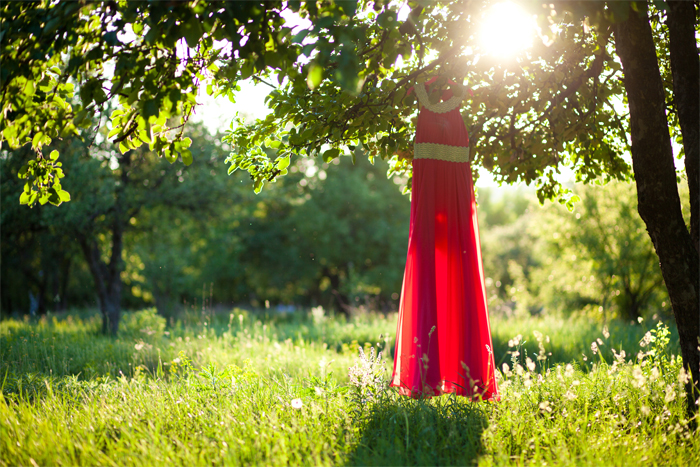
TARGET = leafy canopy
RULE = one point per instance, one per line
(341, 84)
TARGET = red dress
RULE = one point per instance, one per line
(443, 340)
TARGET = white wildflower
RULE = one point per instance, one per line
(683, 376)
(519, 369)
(600, 341)
(569, 370)
(594, 347)
(530, 364)
(538, 335)
(367, 374)
(606, 333)
(654, 374)
(570, 395)
(646, 340)
(639, 378)
(645, 410)
(506, 369)
(670, 394)
(297, 404)
(544, 406)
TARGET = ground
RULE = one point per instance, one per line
(249, 388)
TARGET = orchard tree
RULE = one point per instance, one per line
(609, 78)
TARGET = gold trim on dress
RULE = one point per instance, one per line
(442, 152)
(439, 108)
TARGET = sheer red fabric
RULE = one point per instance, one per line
(443, 340)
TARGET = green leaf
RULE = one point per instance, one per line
(330, 154)
(192, 30)
(54, 155)
(150, 108)
(315, 76)
(258, 186)
(64, 195)
(300, 36)
(186, 156)
(283, 163)
(36, 141)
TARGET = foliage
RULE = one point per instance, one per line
(341, 85)
(64, 63)
(597, 259)
(251, 391)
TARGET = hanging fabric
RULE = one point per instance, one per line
(443, 340)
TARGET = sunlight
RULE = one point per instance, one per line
(506, 29)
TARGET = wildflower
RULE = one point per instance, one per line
(139, 346)
(319, 391)
(670, 394)
(530, 364)
(619, 357)
(640, 319)
(654, 373)
(569, 371)
(575, 382)
(297, 404)
(367, 375)
(683, 376)
(645, 410)
(600, 342)
(544, 406)
(639, 378)
(538, 335)
(646, 340)
(594, 347)
(606, 333)
(569, 395)
(518, 369)
(506, 369)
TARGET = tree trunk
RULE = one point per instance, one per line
(657, 193)
(107, 284)
(685, 67)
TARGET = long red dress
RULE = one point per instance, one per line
(443, 340)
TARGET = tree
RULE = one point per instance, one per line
(552, 105)
(615, 266)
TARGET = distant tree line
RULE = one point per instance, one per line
(148, 232)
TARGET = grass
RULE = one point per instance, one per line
(254, 389)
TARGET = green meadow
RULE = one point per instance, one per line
(247, 388)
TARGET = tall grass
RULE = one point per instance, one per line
(246, 388)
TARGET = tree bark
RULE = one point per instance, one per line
(657, 193)
(107, 276)
(685, 68)
(107, 285)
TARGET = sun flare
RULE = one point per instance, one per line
(506, 29)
